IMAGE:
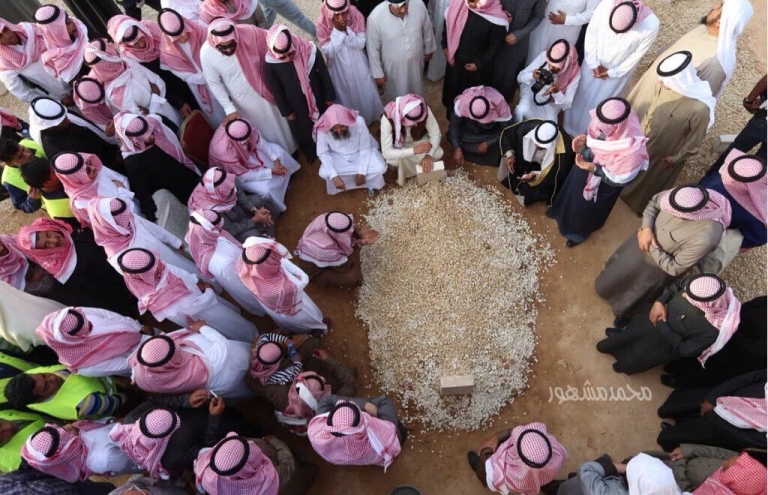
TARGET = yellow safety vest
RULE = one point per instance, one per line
(76, 388)
(10, 453)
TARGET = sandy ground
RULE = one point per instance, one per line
(570, 322)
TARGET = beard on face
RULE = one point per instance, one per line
(342, 135)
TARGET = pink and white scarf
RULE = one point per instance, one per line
(71, 169)
(235, 148)
(282, 43)
(328, 240)
(211, 10)
(104, 61)
(483, 104)
(749, 185)
(59, 261)
(405, 111)
(622, 16)
(30, 50)
(133, 130)
(14, 263)
(113, 224)
(58, 452)
(456, 18)
(717, 208)
(205, 228)
(334, 115)
(89, 97)
(217, 473)
(216, 191)
(62, 57)
(148, 278)
(746, 477)
(147, 451)
(306, 391)
(324, 22)
(7, 119)
(120, 26)
(268, 280)
(567, 61)
(743, 412)
(184, 372)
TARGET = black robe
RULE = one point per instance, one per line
(153, 169)
(641, 346)
(543, 188)
(197, 429)
(744, 352)
(177, 92)
(480, 42)
(468, 134)
(76, 139)
(576, 217)
(526, 16)
(289, 97)
(684, 407)
(96, 278)
(95, 14)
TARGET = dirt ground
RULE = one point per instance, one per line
(570, 323)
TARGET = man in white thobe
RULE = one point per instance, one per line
(400, 41)
(341, 37)
(234, 66)
(563, 21)
(617, 37)
(349, 156)
(21, 70)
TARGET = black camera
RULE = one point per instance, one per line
(545, 79)
(587, 154)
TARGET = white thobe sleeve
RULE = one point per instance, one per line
(526, 75)
(114, 366)
(268, 149)
(388, 150)
(365, 144)
(427, 32)
(95, 314)
(373, 46)
(635, 54)
(582, 17)
(214, 78)
(333, 46)
(17, 88)
(162, 234)
(564, 100)
(213, 335)
(591, 40)
(433, 131)
(296, 273)
(356, 40)
(326, 171)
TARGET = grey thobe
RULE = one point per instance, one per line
(591, 478)
(697, 464)
(682, 244)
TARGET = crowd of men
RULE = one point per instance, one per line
(127, 328)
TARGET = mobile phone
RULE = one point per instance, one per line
(292, 351)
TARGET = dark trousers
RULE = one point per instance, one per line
(133, 10)
(751, 135)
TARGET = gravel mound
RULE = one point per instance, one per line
(451, 288)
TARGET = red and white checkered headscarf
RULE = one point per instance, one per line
(59, 261)
(216, 191)
(565, 57)
(7, 119)
(106, 64)
(363, 441)
(456, 18)
(133, 130)
(306, 391)
(682, 202)
(32, 46)
(265, 276)
(214, 9)
(746, 477)
(328, 239)
(405, 111)
(62, 56)
(71, 335)
(626, 14)
(112, 223)
(169, 363)
(205, 228)
(149, 279)
(251, 47)
(57, 452)
(622, 154)
(14, 263)
(235, 466)
(265, 360)
(70, 168)
(324, 22)
(483, 104)
(282, 42)
(89, 97)
(530, 458)
(744, 177)
(145, 440)
(121, 26)
(334, 115)
(720, 306)
(743, 412)
(234, 147)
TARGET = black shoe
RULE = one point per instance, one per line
(570, 243)
(669, 381)
(473, 459)
(621, 322)
(610, 332)
(552, 487)
(665, 425)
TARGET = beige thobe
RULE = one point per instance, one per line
(675, 126)
(404, 158)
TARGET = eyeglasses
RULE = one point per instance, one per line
(225, 48)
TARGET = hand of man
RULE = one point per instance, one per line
(118, 183)
(196, 325)
(676, 454)
(510, 39)
(328, 103)
(445, 51)
(381, 81)
(340, 22)
(510, 163)
(706, 406)
(552, 89)
(646, 239)
(321, 354)
(509, 15)
(527, 177)
(143, 110)
(153, 87)
(216, 406)
(458, 156)
(109, 128)
(753, 106)
(278, 168)
(482, 148)
(423, 147)
(557, 17)
(669, 164)
(491, 443)
(620, 468)
(339, 183)
(428, 56)
(584, 165)
(658, 313)
(536, 74)
(291, 117)
(67, 101)
(185, 110)
(230, 117)
(579, 142)
(426, 164)
(147, 330)
(203, 286)
(602, 72)
(33, 193)
(262, 215)
(471, 67)
(359, 179)
(371, 409)
(198, 398)
(368, 237)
